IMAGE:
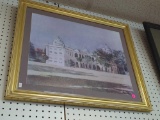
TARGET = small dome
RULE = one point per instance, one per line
(85, 50)
(105, 48)
(76, 50)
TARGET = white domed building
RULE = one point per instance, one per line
(56, 52)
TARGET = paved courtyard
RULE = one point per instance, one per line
(77, 79)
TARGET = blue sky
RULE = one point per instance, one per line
(45, 29)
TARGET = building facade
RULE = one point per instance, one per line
(64, 56)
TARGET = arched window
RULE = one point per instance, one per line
(86, 65)
(76, 55)
(89, 66)
(98, 68)
(92, 59)
(83, 65)
(94, 67)
(77, 64)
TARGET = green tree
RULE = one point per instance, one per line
(120, 61)
(32, 53)
(103, 57)
(41, 55)
(45, 57)
(112, 56)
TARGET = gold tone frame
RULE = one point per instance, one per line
(23, 95)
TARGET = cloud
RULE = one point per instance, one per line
(44, 29)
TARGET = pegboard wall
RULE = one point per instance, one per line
(11, 110)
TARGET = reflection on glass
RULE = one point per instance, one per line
(156, 38)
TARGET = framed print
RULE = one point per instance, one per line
(153, 35)
(66, 57)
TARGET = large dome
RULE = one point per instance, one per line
(58, 42)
